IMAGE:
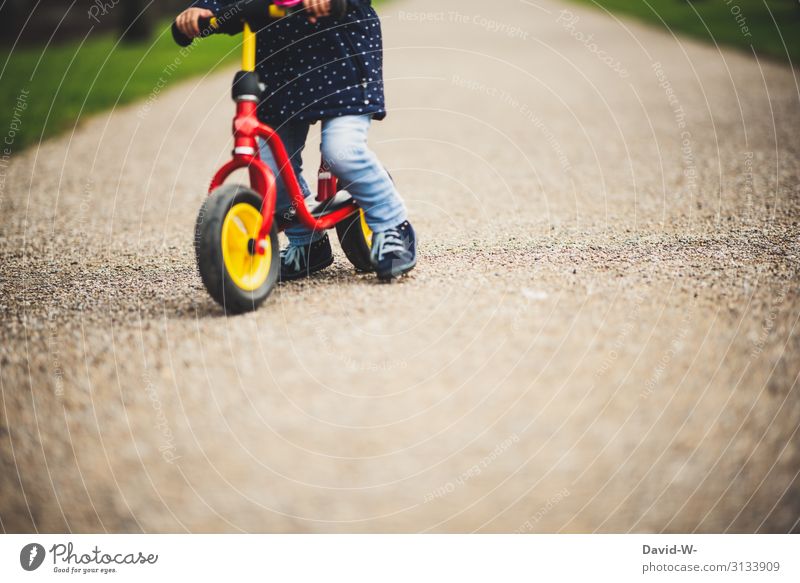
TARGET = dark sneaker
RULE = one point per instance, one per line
(302, 260)
(394, 252)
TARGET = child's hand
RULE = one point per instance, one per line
(188, 21)
(317, 9)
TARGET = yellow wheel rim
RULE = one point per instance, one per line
(365, 230)
(247, 269)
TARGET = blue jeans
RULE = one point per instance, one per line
(344, 148)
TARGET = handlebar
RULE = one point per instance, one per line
(206, 26)
(234, 14)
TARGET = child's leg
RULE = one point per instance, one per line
(344, 148)
(293, 135)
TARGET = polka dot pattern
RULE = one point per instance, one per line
(320, 71)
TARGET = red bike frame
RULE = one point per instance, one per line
(246, 129)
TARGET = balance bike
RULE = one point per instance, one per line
(236, 235)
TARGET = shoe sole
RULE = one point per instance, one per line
(306, 273)
(397, 271)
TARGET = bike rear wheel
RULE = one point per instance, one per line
(355, 237)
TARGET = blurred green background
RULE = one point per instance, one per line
(770, 27)
(78, 58)
(68, 81)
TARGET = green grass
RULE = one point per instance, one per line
(692, 18)
(67, 82)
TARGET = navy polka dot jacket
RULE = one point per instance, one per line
(319, 71)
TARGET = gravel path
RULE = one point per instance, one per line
(601, 335)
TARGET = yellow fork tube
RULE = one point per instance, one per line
(248, 49)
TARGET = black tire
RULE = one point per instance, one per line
(355, 243)
(210, 257)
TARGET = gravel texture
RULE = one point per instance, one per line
(601, 334)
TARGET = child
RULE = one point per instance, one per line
(316, 68)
